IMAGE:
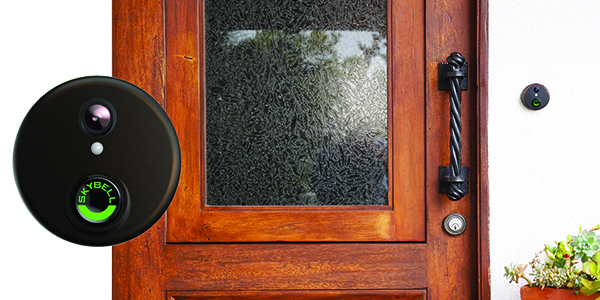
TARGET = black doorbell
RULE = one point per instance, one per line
(535, 96)
(97, 161)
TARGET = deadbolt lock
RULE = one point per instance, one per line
(455, 224)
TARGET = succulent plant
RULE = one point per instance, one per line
(586, 244)
(560, 266)
(514, 272)
(561, 255)
(592, 270)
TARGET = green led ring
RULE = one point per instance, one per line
(89, 215)
(97, 199)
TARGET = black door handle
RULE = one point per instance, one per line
(452, 76)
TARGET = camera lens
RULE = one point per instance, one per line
(536, 89)
(97, 117)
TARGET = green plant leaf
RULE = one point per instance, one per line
(586, 267)
(587, 291)
(589, 285)
(592, 286)
(590, 268)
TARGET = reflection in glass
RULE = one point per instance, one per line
(296, 102)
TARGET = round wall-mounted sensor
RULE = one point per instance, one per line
(97, 182)
(535, 96)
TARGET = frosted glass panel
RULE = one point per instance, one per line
(296, 102)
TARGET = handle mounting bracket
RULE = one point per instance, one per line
(446, 179)
(446, 71)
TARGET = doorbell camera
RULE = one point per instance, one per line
(96, 161)
(535, 96)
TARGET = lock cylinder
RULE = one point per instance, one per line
(455, 224)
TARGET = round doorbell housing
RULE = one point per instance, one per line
(535, 96)
(97, 161)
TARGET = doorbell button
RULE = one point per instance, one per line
(102, 198)
(97, 148)
(535, 96)
(97, 199)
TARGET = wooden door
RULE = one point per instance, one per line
(392, 249)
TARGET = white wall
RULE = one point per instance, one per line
(543, 166)
(43, 44)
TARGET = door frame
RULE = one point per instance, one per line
(139, 49)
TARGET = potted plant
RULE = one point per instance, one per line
(568, 270)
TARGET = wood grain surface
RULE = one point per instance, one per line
(451, 27)
(301, 295)
(138, 57)
(399, 251)
(190, 220)
(295, 267)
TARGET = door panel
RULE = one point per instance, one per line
(395, 251)
(402, 220)
(295, 267)
(297, 295)
(447, 28)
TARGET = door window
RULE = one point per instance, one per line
(296, 103)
